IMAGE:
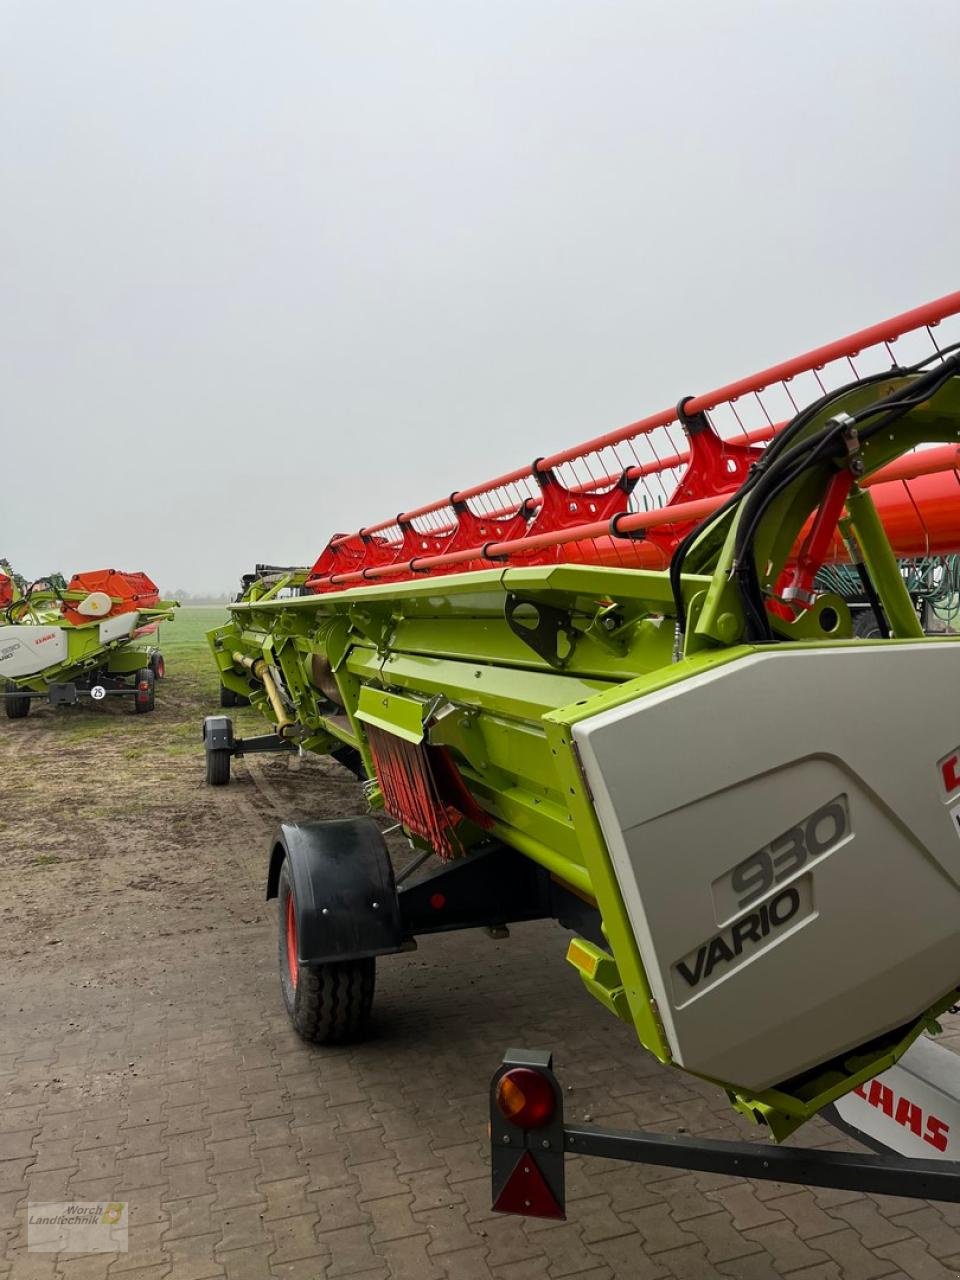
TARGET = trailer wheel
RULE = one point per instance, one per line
(18, 706)
(157, 665)
(227, 697)
(145, 697)
(327, 1003)
(865, 625)
(218, 767)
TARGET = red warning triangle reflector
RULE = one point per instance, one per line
(526, 1191)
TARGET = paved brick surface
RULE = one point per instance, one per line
(159, 1067)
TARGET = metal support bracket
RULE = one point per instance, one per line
(492, 887)
(547, 630)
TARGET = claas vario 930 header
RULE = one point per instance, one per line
(609, 688)
(88, 638)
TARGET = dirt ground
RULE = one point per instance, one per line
(145, 1054)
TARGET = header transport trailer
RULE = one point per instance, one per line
(92, 638)
(607, 689)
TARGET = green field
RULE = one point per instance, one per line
(192, 687)
(184, 644)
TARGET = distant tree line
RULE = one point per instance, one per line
(200, 597)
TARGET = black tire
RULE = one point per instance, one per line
(218, 767)
(327, 1003)
(865, 625)
(227, 697)
(145, 697)
(157, 664)
(17, 707)
(242, 700)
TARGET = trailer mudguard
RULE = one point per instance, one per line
(218, 734)
(343, 888)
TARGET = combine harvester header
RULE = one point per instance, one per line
(610, 689)
(88, 638)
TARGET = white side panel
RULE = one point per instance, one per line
(25, 650)
(782, 833)
(114, 628)
(914, 1108)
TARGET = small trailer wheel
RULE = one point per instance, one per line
(327, 1003)
(227, 697)
(19, 705)
(145, 697)
(865, 625)
(218, 767)
(157, 665)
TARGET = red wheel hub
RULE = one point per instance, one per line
(293, 964)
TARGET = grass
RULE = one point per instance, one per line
(184, 641)
(90, 725)
(193, 673)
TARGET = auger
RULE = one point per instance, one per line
(611, 689)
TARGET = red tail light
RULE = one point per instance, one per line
(525, 1098)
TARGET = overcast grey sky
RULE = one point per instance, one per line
(273, 270)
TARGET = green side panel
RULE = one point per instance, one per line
(127, 660)
(606, 891)
(403, 717)
(516, 694)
